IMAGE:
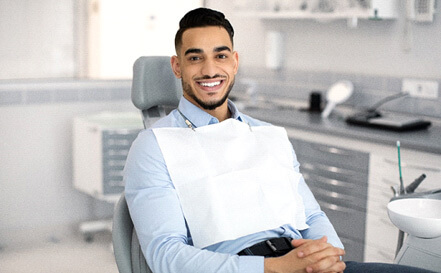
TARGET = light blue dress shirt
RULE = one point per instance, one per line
(160, 224)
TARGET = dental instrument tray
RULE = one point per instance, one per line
(389, 122)
(373, 118)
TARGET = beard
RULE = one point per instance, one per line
(206, 105)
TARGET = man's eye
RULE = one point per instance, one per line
(194, 58)
(222, 56)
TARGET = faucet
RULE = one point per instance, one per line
(409, 191)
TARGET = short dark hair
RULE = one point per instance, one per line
(202, 17)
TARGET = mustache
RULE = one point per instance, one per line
(207, 77)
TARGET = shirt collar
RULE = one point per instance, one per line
(200, 118)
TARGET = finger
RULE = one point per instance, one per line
(337, 268)
(327, 252)
(313, 247)
(329, 264)
(322, 260)
(298, 242)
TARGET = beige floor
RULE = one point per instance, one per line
(70, 255)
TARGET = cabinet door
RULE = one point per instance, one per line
(116, 146)
(338, 179)
(382, 235)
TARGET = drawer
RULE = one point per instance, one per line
(348, 223)
(341, 201)
(116, 146)
(354, 249)
(113, 182)
(332, 172)
(357, 188)
(118, 139)
(331, 155)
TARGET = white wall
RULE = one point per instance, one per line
(36, 39)
(374, 48)
(37, 199)
(39, 39)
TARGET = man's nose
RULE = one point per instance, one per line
(209, 68)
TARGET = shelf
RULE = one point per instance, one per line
(297, 15)
(378, 10)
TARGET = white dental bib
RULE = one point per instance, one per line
(232, 179)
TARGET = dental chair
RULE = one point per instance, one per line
(155, 91)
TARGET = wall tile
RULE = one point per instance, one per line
(10, 97)
(38, 96)
(66, 95)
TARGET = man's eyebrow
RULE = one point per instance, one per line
(198, 50)
(222, 48)
(193, 50)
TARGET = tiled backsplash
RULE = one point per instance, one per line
(368, 89)
(295, 85)
(62, 91)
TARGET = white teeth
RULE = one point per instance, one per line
(210, 84)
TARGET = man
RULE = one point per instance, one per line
(210, 189)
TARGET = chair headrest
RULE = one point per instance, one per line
(154, 83)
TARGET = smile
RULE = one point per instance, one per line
(210, 84)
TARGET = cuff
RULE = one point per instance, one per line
(251, 264)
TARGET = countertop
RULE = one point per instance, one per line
(427, 140)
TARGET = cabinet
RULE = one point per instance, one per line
(338, 178)
(101, 143)
(346, 206)
(381, 236)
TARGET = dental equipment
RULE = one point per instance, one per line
(338, 93)
(402, 189)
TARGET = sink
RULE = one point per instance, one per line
(419, 217)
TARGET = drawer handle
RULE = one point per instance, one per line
(330, 181)
(331, 169)
(114, 183)
(337, 208)
(122, 132)
(118, 142)
(118, 152)
(331, 150)
(116, 163)
(116, 173)
(340, 197)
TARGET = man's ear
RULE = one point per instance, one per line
(174, 61)
(236, 58)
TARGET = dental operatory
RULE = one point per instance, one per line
(187, 136)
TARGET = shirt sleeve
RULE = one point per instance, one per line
(159, 222)
(316, 219)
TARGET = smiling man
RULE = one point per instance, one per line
(207, 65)
(211, 189)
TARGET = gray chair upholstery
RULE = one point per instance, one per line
(128, 254)
(154, 87)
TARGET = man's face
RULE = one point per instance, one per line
(207, 65)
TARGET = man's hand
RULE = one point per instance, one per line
(308, 256)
